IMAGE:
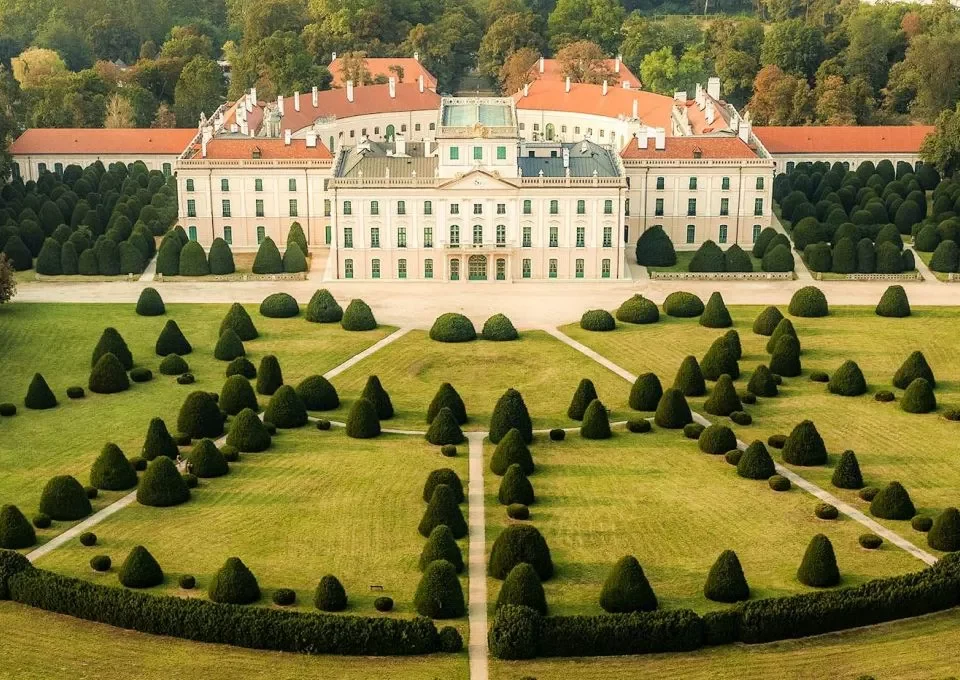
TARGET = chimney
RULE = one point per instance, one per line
(416, 56)
(393, 87)
(642, 139)
(566, 157)
(636, 109)
(661, 139)
(234, 127)
(616, 66)
(604, 88)
(713, 87)
(314, 93)
(744, 130)
(709, 113)
(280, 104)
(253, 95)
(296, 101)
(333, 57)
(541, 65)
(420, 80)
(311, 140)
(526, 89)
(349, 90)
(680, 95)
(203, 147)
(568, 84)
(625, 85)
(286, 137)
(400, 144)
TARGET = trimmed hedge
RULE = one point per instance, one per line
(894, 303)
(242, 366)
(441, 545)
(239, 320)
(439, 594)
(756, 463)
(452, 327)
(111, 342)
(914, 366)
(784, 327)
(447, 397)
(362, 421)
(597, 320)
(921, 523)
(374, 392)
(498, 328)
(693, 430)
(646, 392)
(220, 258)
(785, 360)
(717, 439)
(689, 379)
(112, 471)
(809, 301)
(234, 583)
(518, 512)
(723, 399)
(193, 260)
(626, 589)
(892, 502)
(200, 416)
(944, 533)
(15, 532)
(582, 397)
(39, 395)
(720, 359)
(511, 450)
(236, 395)
(248, 433)
(596, 422)
(638, 310)
(673, 412)
(847, 474)
(269, 375)
(318, 394)
(510, 412)
(715, 314)
(819, 566)
(358, 317)
(162, 485)
(279, 306)
(150, 303)
(522, 587)
(778, 483)
(64, 499)
(919, 397)
(285, 409)
(330, 595)
(323, 308)
(515, 487)
(140, 569)
(172, 340)
(805, 446)
(520, 543)
(229, 346)
(762, 383)
(268, 260)
(444, 429)
(443, 509)
(206, 461)
(726, 582)
(682, 305)
(173, 364)
(848, 380)
(655, 249)
(826, 511)
(294, 259)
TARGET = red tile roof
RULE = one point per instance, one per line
(716, 148)
(240, 148)
(553, 70)
(549, 95)
(380, 66)
(61, 141)
(843, 138)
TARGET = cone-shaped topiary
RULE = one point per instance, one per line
(447, 397)
(229, 346)
(943, 535)
(726, 582)
(945, 258)
(234, 583)
(819, 566)
(330, 595)
(279, 306)
(294, 259)
(269, 375)
(510, 413)
(847, 473)
(914, 367)
(112, 471)
(715, 314)
(673, 412)
(318, 394)
(172, 340)
(168, 257)
(174, 364)
(627, 589)
(499, 328)
(248, 433)
(16, 532)
(785, 359)
(452, 327)
(239, 320)
(374, 392)
(268, 260)
(717, 439)
(919, 397)
(520, 543)
(766, 321)
(286, 410)
(596, 422)
(893, 502)
(236, 395)
(443, 476)
(805, 446)
(323, 308)
(242, 366)
(785, 327)
(444, 429)
(39, 395)
(441, 546)
(108, 376)
(158, 441)
(206, 460)
(646, 392)
(515, 487)
(150, 303)
(522, 587)
(64, 499)
(140, 569)
(443, 509)
(848, 380)
(689, 379)
(162, 485)
(762, 383)
(220, 258)
(200, 416)
(756, 463)
(720, 359)
(723, 400)
(582, 398)
(439, 594)
(358, 317)
(894, 303)
(511, 449)
(682, 305)
(111, 342)
(362, 421)
(809, 301)
(655, 249)
(639, 310)
(732, 340)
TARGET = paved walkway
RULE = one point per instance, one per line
(149, 271)
(477, 561)
(928, 276)
(795, 478)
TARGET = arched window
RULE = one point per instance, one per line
(390, 133)
(477, 267)
(549, 132)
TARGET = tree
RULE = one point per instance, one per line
(596, 20)
(164, 118)
(199, 90)
(67, 40)
(942, 148)
(284, 65)
(186, 42)
(795, 46)
(119, 113)
(515, 72)
(780, 98)
(36, 66)
(925, 82)
(842, 103)
(585, 62)
(8, 285)
(505, 36)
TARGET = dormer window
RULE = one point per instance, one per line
(256, 154)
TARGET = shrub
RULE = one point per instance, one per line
(186, 379)
(20, 256)
(785, 360)
(894, 303)
(847, 473)
(723, 399)
(778, 483)
(915, 366)
(779, 258)
(162, 485)
(510, 412)
(693, 430)
(76, 392)
(733, 456)
(868, 493)
(762, 383)
(945, 259)
(515, 487)
(952, 414)
(284, 597)
(785, 327)
(805, 446)
(557, 434)
(221, 258)
(919, 397)
(518, 511)
(41, 520)
(732, 340)
(187, 582)
(673, 412)
(231, 454)
(111, 342)
(870, 541)
(646, 392)
(15, 530)
(499, 328)
(172, 340)
(921, 523)
(682, 305)
(323, 308)
(64, 499)
(91, 491)
(158, 441)
(927, 239)
(193, 260)
(639, 310)
(141, 374)
(826, 511)
(150, 303)
(655, 249)
(819, 566)
(268, 260)
(726, 582)
(439, 594)
(39, 395)
(717, 439)
(383, 604)
(140, 569)
(294, 259)
(358, 317)
(584, 395)
(448, 451)
(848, 380)
(108, 376)
(715, 314)
(892, 502)
(206, 460)
(597, 320)
(200, 416)
(452, 327)
(229, 346)
(168, 257)
(139, 463)
(317, 394)
(944, 533)
(444, 429)
(777, 441)
(689, 379)
(767, 321)
(362, 421)
(7, 409)
(447, 397)
(720, 359)
(626, 588)
(756, 463)
(279, 306)
(239, 320)
(112, 471)
(269, 375)
(248, 433)
(819, 376)
(707, 258)
(520, 543)
(48, 260)
(100, 563)
(234, 583)
(522, 587)
(173, 364)
(242, 366)
(441, 545)
(809, 301)
(884, 396)
(443, 509)
(285, 409)
(374, 392)
(735, 259)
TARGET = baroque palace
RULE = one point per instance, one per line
(395, 181)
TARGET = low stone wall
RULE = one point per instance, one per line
(721, 276)
(228, 278)
(79, 278)
(906, 276)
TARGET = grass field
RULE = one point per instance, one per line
(544, 370)
(926, 257)
(683, 262)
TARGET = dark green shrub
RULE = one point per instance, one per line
(229, 346)
(7, 409)
(693, 430)
(515, 633)
(358, 317)
(112, 471)
(826, 511)
(921, 523)
(441, 545)
(296, 235)
(172, 340)
(766, 322)
(323, 308)
(945, 259)
(510, 412)
(268, 260)
(76, 392)
(762, 383)
(892, 502)
(206, 461)
(447, 397)
(132, 260)
(231, 454)
(741, 418)
(848, 380)
(168, 257)
(732, 340)
(285, 409)
(294, 259)
(269, 375)
(64, 499)
(690, 380)
(452, 327)
(894, 303)
(242, 366)
(515, 487)
(809, 301)
(626, 589)
(778, 259)
(140, 569)
(582, 397)
(518, 511)
(522, 587)
(720, 359)
(735, 259)
(655, 249)
(187, 582)
(15, 530)
(819, 376)
(915, 366)
(186, 379)
(944, 533)
(221, 258)
(439, 594)
(247, 433)
(682, 305)
(760, 245)
(141, 374)
(870, 541)
(162, 485)
(39, 395)
(317, 394)
(511, 450)
(884, 396)
(20, 256)
(91, 491)
(639, 310)
(284, 597)
(646, 392)
(448, 450)
(557, 434)
(239, 320)
(723, 399)
(444, 429)
(673, 412)
(200, 416)
(100, 563)
(362, 421)
(520, 543)
(919, 397)
(844, 256)
(747, 397)
(383, 604)
(498, 328)
(41, 520)
(88, 538)
(785, 327)
(279, 306)
(193, 260)
(443, 509)
(726, 582)
(449, 640)
(715, 314)
(805, 446)
(173, 364)
(597, 320)
(707, 258)
(139, 463)
(785, 360)
(48, 260)
(596, 422)
(847, 473)
(868, 493)
(778, 483)
(756, 463)
(323, 424)
(733, 456)
(111, 342)
(927, 239)
(374, 392)
(234, 583)
(717, 439)
(819, 566)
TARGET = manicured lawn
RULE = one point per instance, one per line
(657, 497)
(683, 262)
(926, 257)
(544, 370)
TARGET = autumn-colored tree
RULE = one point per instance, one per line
(780, 98)
(119, 113)
(165, 118)
(8, 285)
(515, 72)
(584, 62)
(35, 66)
(505, 36)
(353, 66)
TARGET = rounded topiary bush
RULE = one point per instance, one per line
(870, 541)
(518, 511)
(626, 589)
(383, 604)
(374, 392)
(723, 400)
(112, 471)
(946, 257)
(682, 305)
(819, 566)
(76, 392)
(91, 491)
(693, 430)
(234, 583)
(655, 249)
(597, 320)
(186, 379)
(515, 632)
(515, 487)
(519, 543)
(944, 533)
(240, 322)
(41, 520)
(139, 463)
(805, 446)
(826, 511)
(766, 321)
(286, 410)
(522, 587)
(150, 303)
(108, 376)
(443, 509)
(191, 480)
(100, 563)
(268, 260)
(673, 412)
(358, 317)
(173, 364)
(242, 366)
(892, 502)
(689, 379)
(557, 434)
(449, 640)
(64, 499)
(229, 346)
(646, 392)
(762, 383)
(187, 582)
(141, 374)
(140, 569)
(206, 460)
(158, 441)
(921, 523)
(323, 308)
(447, 397)
(809, 301)
(193, 260)
(444, 429)
(498, 328)
(172, 340)
(318, 394)
(162, 485)
(200, 416)
(785, 327)
(732, 340)
(511, 450)
(717, 439)
(269, 375)
(111, 342)
(439, 594)
(726, 582)
(596, 422)
(639, 310)
(39, 395)
(915, 366)
(441, 545)
(884, 396)
(236, 395)
(847, 473)
(894, 303)
(279, 306)
(848, 380)
(919, 397)
(330, 595)
(452, 327)
(284, 597)
(15, 531)
(779, 483)
(777, 441)
(362, 421)
(819, 376)
(510, 412)
(715, 314)
(88, 538)
(582, 397)
(868, 493)
(231, 454)
(220, 258)
(720, 359)
(733, 456)
(7, 409)
(785, 360)
(756, 463)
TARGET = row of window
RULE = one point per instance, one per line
(691, 236)
(478, 153)
(225, 210)
(501, 235)
(478, 207)
(526, 267)
(724, 184)
(257, 184)
(550, 131)
(724, 207)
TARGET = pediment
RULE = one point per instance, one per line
(477, 180)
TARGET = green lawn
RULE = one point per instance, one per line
(683, 262)
(926, 257)
(544, 370)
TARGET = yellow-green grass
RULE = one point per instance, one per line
(657, 497)
(685, 256)
(58, 340)
(315, 503)
(544, 370)
(917, 450)
(44, 646)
